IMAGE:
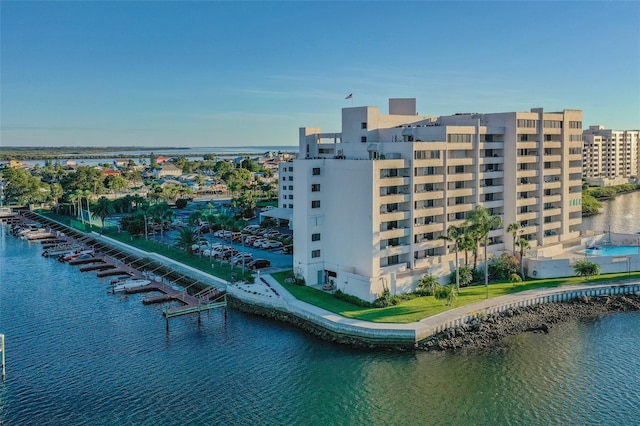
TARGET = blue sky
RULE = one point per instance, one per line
(251, 73)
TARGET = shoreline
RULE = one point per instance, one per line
(481, 333)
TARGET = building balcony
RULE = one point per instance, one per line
(394, 233)
(490, 189)
(428, 195)
(552, 185)
(490, 160)
(493, 204)
(553, 158)
(575, 221)
(529, 229)
(575, 157)
(395, 250)
(527, 173)
(554, 171)
(527, 159)
(428, 211)
(527, 216)
(431, 227)
(552, 211)
(394, 215)
(527, 145)
(461, 192)
(552, 144)
(394, 181)
(575, 170)
(428, 244)
(577, 208)
(394, 198)
(551, 198)
(492, 174)
(527, 187)
(456, 177)
(428, 179)
(491, 145)
(465, 161)
(457, 208)
(522, 202)
(430, 162)
(550, 226)
(397, 268)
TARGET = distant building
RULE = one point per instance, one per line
(167, 169)
(373, 201)
(610, 157)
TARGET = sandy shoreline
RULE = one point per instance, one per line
(490, 330)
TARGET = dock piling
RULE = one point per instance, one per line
(4, 372)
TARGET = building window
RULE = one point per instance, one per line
(315, 237)
(315, 171)
(290, 206)
(284, 178)
(575, 124)
(527, 123)
(315, 204)
(315, 253)
(290, 169)
(552, 124)
(315, 187)
(363, 125)
(363, 139)
(459, 138)
(284, 187)
(291, 196)
(290, 178)
(291, 187)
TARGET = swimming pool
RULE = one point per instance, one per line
(613, 250)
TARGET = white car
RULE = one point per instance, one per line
(200, 245)
(272, 244)
(238, 258)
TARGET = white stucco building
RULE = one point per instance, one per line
(611, 157)
(372, 201)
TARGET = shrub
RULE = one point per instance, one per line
(427, 285)
(447, 293)
(502, 267)
(338, 294)
(466, 276)
(181, 203)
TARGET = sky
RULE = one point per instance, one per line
(241, 73)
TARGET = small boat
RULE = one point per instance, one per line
(62, 249)
(129, 284)
(74, 255)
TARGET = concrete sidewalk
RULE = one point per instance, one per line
(412, 333)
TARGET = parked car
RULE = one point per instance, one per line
(200, 245)
(259, 263)
(258, 243)
(251, 228)
(288, 249)
(240, 257)
(272, 244)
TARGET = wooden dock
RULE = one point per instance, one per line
(110, 261)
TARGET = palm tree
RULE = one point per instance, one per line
(103, 209)
(428, 284)
(514, 228)
(524, 245)
(454, 235)
(186, 239)
(584, 268)
(481, 223)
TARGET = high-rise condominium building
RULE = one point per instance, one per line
(372, 202)
(611, 157)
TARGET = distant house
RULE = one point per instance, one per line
(167, 169)
(161, 159)
(15, 164)
(109, 172)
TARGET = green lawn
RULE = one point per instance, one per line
(423, 307)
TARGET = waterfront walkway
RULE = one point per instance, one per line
(268, 293)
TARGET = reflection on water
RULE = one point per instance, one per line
(621, 214)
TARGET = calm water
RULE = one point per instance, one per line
(77, 355)
(622, 214)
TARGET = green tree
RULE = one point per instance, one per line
(186, 239)
(481, 223)
(590, 205)
(428, 284)
(514, 228)
(103, 208)
(454, 234)
(447, 293)
(523, 245)
(586, 269)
